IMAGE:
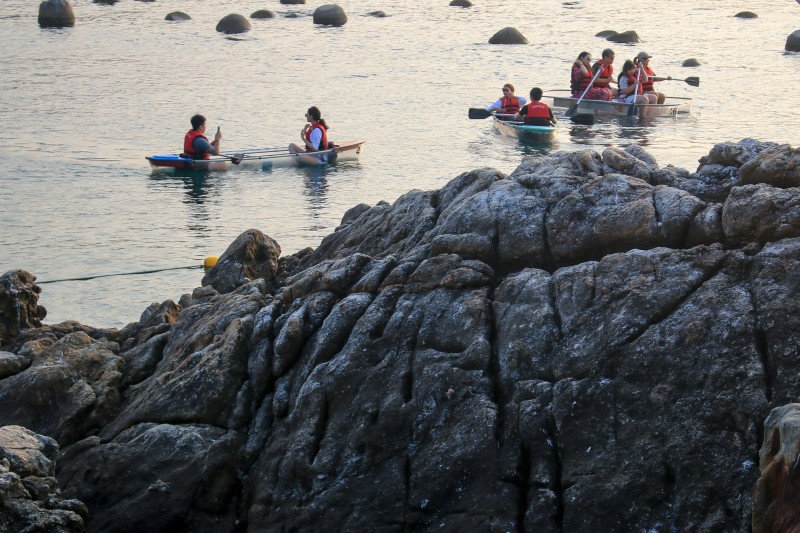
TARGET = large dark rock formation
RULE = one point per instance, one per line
(588, 344)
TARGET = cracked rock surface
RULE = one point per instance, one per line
(591, 343)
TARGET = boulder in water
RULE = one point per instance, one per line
(330, 15)
(233, 23)
(461, 3)
(56, 14)
(508, 35)
(629, 36)
(262, 14)
(691, 62)
(293, 1)
(746, 15)
(177, 16)
(605, 34)
(793, 42)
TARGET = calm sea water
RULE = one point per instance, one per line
(81, 107)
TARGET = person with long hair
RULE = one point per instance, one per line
(315, 138)
(581, 77)
(631, 90)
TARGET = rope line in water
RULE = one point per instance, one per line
(120, 274)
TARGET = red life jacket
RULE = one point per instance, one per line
(647, 82)
(584, 82)
(188, 144)
(323, 143)
(606, 72)
(510, 104)
(538, 110)
(632, 82)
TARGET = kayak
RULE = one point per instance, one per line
(672, 106)
(255, 158)
(524, 132)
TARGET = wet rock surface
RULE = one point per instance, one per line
(516, 352)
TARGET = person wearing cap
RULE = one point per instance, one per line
(643, 59)
(606, 77)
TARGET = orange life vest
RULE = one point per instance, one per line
(581, 84)
(538, 110)
(647, 82)
(631, 83)
(188, 144)
(510, 104)
(323, 143)
(606, 72)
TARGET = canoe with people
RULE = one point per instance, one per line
(591, 93)
(635, 95)
(200, 154)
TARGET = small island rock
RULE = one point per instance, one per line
(56, 14)
(330, 15)
(177, 16)
(234, 23)
(508, 35)
(629, 36)
(793, 42)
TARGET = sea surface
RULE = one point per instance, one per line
(81, 107)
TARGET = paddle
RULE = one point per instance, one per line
(586, 119)
(694, 81)
(574, 107)
(479, 112)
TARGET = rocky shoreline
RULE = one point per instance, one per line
(591, 343)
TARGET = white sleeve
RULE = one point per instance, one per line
(316, 138)
(522, 101)
(497, 103)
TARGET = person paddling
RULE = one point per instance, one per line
(195, 143)
(315, 138)
(643, 60)
(508, 103)
(606, 68)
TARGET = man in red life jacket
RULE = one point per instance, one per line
(607, 75)
(195, 143)
(536, 113)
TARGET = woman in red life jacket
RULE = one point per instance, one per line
(195, 143)
(508, 103)
(536, 113)
(581, 77)
(629, 90)
(315, 138)
(606, 76)
(643, 59)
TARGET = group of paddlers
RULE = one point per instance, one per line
(593, 82)
(634, 83)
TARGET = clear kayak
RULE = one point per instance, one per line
(256, 158)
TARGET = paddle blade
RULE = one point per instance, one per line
(571, 110)
(585, 119)
(236, 159)
(693, 81)
(478, 112)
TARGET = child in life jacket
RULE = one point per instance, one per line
(536, 112)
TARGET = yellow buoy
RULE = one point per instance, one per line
(210, 262)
